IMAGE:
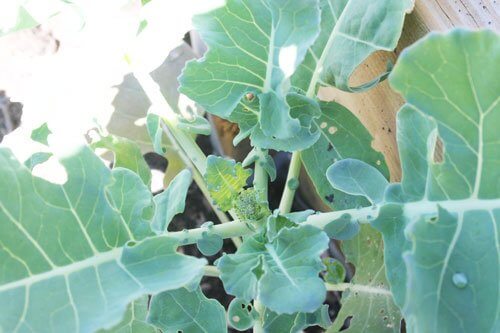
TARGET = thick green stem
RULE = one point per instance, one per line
(226, 230)
(211, 271)
(292, 182)
(260, 180)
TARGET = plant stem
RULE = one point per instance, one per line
(211, 271)
(357, 288)
(237, 228)
(257, 327)
(188, 149)
(198, 178)
(226, 230)
(260, 180)
(290, 188)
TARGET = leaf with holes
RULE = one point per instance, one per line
(371, 307)
(186, 311)
(342, 136)
(79, 253)
(225, 180)
(440, 225)
(253, 47)
(351, 30)
(273, 273)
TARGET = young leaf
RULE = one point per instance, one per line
(41, 134)
(37, 158)
(171, 202)
(263, 159)
(273, 273)
(343, 136)
(441, 239)
(296, 322)
(358, 178)
(71, 253)
(245, 39)
(199, 125)
(335, 271)
(351, 30)
(209, 244)
(186, 311)
(134, 320)
(372, 309)
(127, 155)
(153, 124)
(225, 180)
(241, 314)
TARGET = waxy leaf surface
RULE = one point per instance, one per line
(75, 255)
(273, 273)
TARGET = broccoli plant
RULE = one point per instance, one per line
(95, 253)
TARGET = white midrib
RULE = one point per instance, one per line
(270, 63)
(93, 261)
(280, 265)
(324, 53)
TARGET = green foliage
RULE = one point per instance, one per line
(225, 180)
(372, 308)
(182, 310)
(350, 31)
(241, 314)
(344, 174)
(241, 78)
(335, 271)
(343, 136)
(127, 155)
(171, 202)
(41, 134)
(273, 273)
(134, 320)
(296, 322)
(69, 250)
(440, 225)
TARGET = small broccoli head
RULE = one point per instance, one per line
(251, 206)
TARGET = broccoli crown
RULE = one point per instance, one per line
(251, 206)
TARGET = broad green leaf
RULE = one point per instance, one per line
(357, 178)
(241, 314)
(186, 311)
(343, 136)
(372, 308)
(171, 202)
(41, 134)
(273, 273)
(304, 109)
(79, 253)
(292, 323)
(127, 155)
(351, 30)
(134, 320)
(246, 40)
(441, 235)
(225, 180)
